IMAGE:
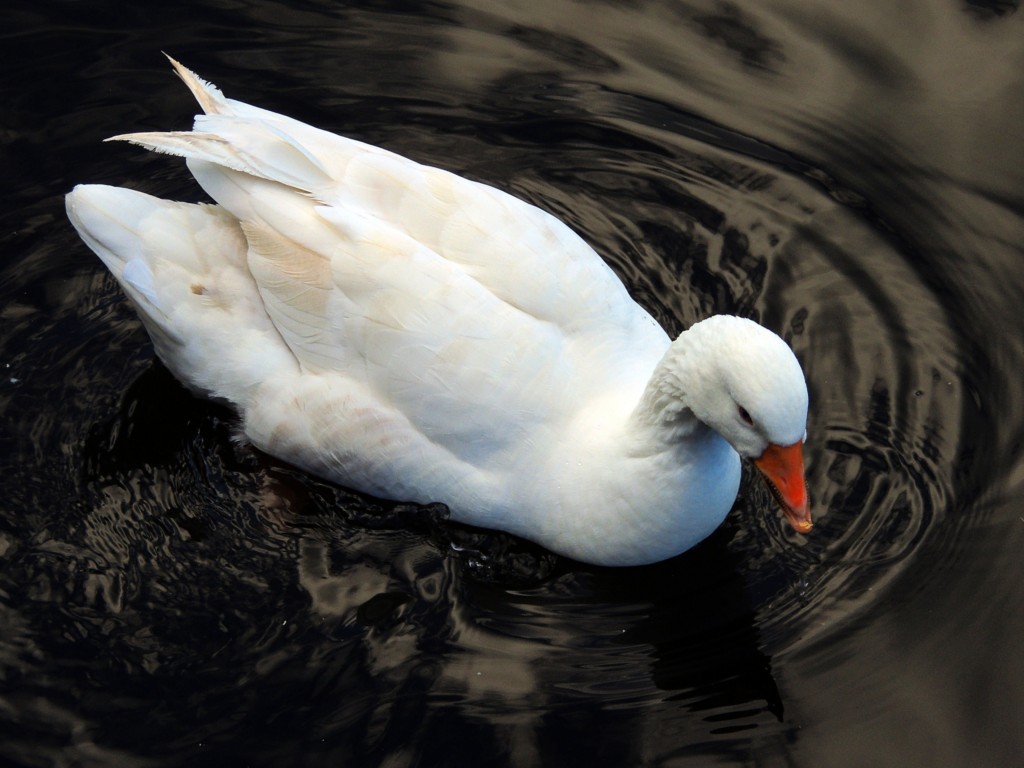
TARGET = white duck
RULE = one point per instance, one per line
(417, 336)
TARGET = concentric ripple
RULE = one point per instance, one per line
(172, 597)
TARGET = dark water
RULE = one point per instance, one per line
(850, 174)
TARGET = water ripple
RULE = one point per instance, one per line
(171, 597)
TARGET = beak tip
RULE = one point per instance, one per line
(800, 519)
(804, 526)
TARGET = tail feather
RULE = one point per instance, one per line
(109, 220)
(184, 267)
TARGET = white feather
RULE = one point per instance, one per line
(416, 335)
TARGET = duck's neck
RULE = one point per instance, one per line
(663, 418)
(676, 478)
(637, 478)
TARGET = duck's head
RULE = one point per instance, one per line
(744, 382)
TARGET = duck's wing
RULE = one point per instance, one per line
(520, 253)
(445, 296)
(353, 295)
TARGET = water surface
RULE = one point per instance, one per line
(849, 175)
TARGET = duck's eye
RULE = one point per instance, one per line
(745, 416)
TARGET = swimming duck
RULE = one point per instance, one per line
(417, 336)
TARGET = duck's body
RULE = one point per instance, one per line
(422, 337)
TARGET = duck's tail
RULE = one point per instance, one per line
(183, 266)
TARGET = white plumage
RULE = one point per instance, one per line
(418, 336)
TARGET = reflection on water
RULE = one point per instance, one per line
(849, 175)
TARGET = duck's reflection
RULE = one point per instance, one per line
(661, 656)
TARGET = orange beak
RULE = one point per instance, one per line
(783, 468)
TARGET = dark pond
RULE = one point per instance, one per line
(851, 174)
